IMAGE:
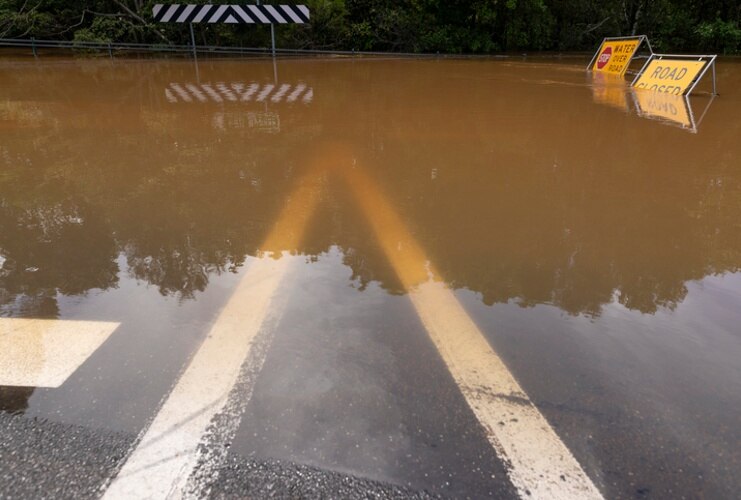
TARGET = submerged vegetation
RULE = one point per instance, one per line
(446, 26)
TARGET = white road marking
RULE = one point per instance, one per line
(163, 460)
(166, 455)
(215, 443)
(45, 352)
(539, 463)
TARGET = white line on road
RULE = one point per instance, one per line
(167, 453)
(538, 462)
(540, 465)
(45, 352)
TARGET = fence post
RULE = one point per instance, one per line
(110, 52)
(33, 46)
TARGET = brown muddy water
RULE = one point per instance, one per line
(592, 234)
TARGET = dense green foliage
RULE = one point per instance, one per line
(449, 26)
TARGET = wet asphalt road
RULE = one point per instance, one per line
(608, 287)
(355, 402)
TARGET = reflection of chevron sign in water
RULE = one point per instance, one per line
(232, 14)
(239, 92)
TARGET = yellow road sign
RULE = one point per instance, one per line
(673, 76)
(614, 56)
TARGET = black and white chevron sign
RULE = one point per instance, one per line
(233, 14)
(239, 92)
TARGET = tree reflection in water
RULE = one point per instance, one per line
(528, 193)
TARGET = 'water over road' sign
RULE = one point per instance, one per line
(614, 54)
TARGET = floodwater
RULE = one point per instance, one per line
(592, 234)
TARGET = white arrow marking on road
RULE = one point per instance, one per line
(45, 352)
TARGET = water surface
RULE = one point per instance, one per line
(593, 233)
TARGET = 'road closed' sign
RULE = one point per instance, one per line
(673, 76)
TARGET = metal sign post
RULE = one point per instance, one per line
(272, 37)
(193, 41)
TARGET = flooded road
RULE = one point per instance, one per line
(458, 278)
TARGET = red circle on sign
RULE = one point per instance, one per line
(604, 57)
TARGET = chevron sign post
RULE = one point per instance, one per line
(234, 14)
(231, 14)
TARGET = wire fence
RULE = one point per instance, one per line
(119, 48)
(113, 48)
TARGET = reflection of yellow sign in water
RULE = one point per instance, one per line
(614, 56)
(674, 108)
(673, 76)
(609, 89)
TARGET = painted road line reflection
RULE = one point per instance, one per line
(45, 352)
(167, 453)
(539, 464)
